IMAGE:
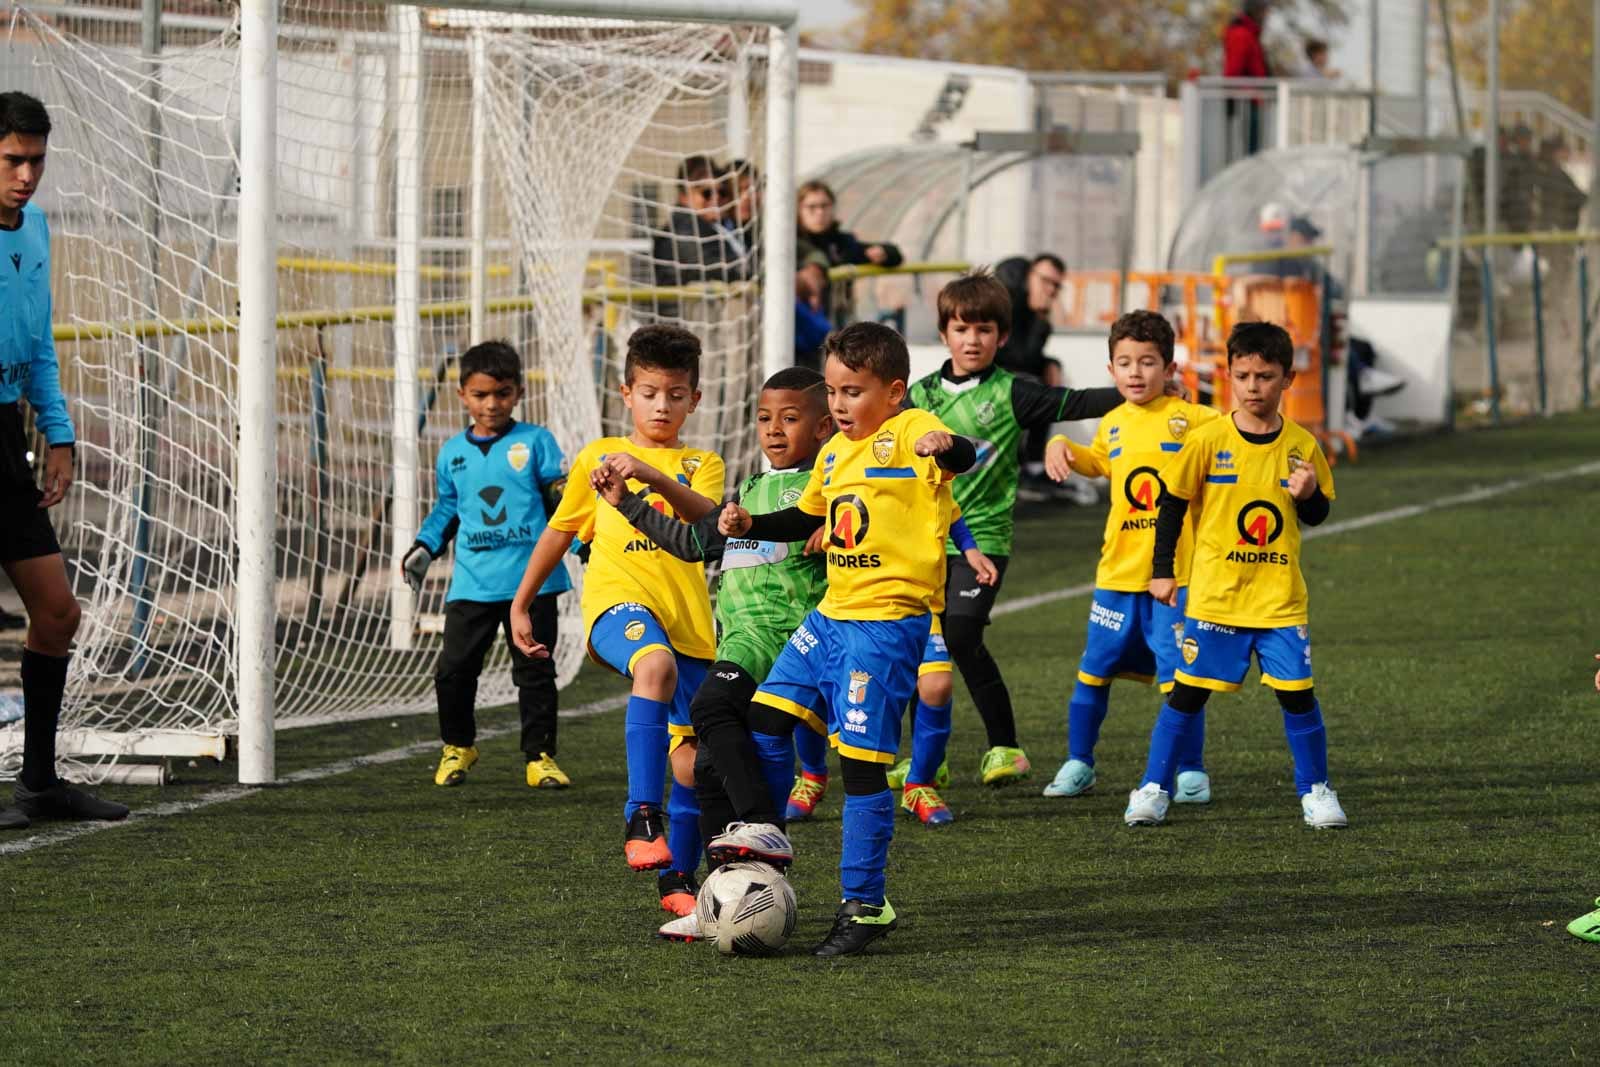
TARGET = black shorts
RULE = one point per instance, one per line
(963, 596)
(25, 530)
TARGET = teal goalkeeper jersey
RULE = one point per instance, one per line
(769, 586)
(995, 408)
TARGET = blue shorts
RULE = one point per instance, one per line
(864, 672)
(622, 635)
(1217, 657)
(935, 653)
(1132, 636)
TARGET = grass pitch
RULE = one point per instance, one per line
(369, 916)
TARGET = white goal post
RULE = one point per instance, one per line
(257, 496)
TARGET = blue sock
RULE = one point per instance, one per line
(683, 828)
(777, 765)
(1308, 744)
(644, 734)
(1084, 715)
(868, 826)
(813, 750)
(1169, 737)
(930, 737)
(1192, 756)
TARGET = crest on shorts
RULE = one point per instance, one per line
(634, 630)
(984, 413)
(517, 455)
(1191, 650)
(1178, 425)
(1302, 631)
(858, 686)
(883, 446)
(690, 465)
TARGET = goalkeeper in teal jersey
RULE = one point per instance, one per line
(977, 399)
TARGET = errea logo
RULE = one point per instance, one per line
(1224, 460)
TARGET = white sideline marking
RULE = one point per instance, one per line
(1377, 518)
(73, 831)
(597, 707)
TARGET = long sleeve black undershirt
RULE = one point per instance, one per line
(1311, 511)
(692, 542)
(790, 524)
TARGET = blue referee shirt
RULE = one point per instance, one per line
(27, 350)
(491, 497)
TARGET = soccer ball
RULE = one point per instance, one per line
(748, 909)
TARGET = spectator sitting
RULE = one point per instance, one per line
(698, 249)
(1317, 61)
(811, 325)
(1034, 285)
(820, 239)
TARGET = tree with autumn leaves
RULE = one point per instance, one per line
(1175, 36)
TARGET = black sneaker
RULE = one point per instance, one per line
(62, 801)
(855, 927)
(12, 819)
(646, 843)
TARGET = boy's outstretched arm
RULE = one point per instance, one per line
(688, 504)
(1037, 406)
(696, 542)
(1169, 527)
(547, 553)
(950, 451)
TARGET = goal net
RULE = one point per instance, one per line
(442, 176)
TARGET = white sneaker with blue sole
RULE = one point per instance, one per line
(1147, 806)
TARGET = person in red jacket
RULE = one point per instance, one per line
(1244, 57)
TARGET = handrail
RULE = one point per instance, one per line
(1220, 264)
(96, 331)
(851, 271)
(1499, 240)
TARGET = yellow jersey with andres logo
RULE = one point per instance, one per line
(887, 511)
(1134, 443)
(626, 567)
(1247, 536)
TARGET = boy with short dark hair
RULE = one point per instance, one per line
(882, 491)
(1131, 634)
(978, 399)
(647, 615)
(1254, 478)
(498, 480)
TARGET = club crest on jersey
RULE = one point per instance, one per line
(1191, 650)
(984, 413)
(1296, 460)
(883, 446)
(690, 465)
(858, 687)
(1177, 426)
(789, 497)
(634, 630)
(517, 455)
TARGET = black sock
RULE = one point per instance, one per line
(44, 680)
(989, 693)
(725, 743)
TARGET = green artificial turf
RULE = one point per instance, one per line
(368, 915)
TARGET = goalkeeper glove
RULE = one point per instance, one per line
(415, 566)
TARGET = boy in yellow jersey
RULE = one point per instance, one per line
(647, 614)
(1131, 634)
(882, 490)
(1253, 478)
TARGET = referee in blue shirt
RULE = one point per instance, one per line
(29, 551)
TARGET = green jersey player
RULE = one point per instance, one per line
(993, 407)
